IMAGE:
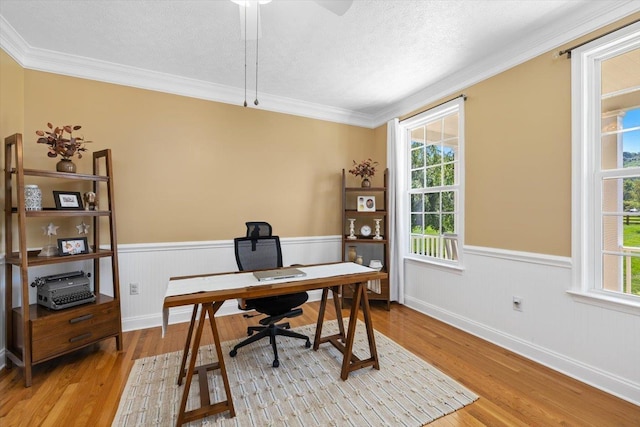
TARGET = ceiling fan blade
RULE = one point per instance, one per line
(339, 7)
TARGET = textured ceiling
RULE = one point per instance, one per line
(366, 63)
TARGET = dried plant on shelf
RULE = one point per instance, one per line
(365, 169)
(61, 144)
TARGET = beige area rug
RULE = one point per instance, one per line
(306, 390)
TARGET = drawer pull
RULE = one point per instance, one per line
(80, 337)
(81, 318)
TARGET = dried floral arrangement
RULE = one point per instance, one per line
(60, 144)
(364, 169)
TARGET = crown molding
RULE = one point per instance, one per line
(557, 35)
(49, 61)
(81, 67)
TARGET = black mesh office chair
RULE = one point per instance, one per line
(260, 250)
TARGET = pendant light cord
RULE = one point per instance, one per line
(257, 37)
(245, 56)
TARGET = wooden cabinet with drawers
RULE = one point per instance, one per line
(34, 333)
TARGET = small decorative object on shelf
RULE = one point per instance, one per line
(49, 249)
(365, 169)
(90, 201)
(378, 236)
(32, 198)
(63, 146)
(83, 228)
(352, 229)
(366, 204)
(352, 254)
(376, 264)
(75, 246)
(359, 259)
(67, 200)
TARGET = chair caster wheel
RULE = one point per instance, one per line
(233, 353)
(307, 344)
(276, 363)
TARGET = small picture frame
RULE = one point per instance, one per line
(366, 204)
(68, 200)
(75, 246)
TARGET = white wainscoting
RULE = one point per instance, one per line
(596, 345)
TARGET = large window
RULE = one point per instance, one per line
(606, 181)
(433, 142)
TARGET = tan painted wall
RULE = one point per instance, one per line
(11, 111)
(187, 169)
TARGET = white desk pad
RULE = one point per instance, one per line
(243, 280)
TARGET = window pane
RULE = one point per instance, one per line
(432, 202)
(448, 223)
(631, 147)
(450, 150)
(448, 201)
(417, 224)
(433, 155)
(434, 177)
(416, 203)
(417, 137)
(631, 194)
(432, 224)
(449, 174)
(434, 131)
(451, 126)
(417, 158)
(621, 273)
(417, 179)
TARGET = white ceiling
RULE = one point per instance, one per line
(380, 59)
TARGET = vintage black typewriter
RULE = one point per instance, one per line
(64, 290)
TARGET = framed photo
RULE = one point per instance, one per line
(67, 200)
(75, 246)
(366, 204)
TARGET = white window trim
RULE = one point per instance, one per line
(586, 124)
(403, 205)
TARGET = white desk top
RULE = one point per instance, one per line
(243, 280)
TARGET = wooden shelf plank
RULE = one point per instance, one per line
(63, 175)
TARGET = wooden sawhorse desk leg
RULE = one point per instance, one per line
(345, 343)
(206, 407)
(335, 290)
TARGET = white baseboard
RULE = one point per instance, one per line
(595, 377)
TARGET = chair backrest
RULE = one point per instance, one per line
(258, 228)
(258, 253)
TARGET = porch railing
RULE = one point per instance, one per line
(628, 277)
(436, 246)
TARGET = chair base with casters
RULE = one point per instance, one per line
(270, 328)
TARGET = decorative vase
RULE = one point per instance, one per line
(32, 198)
(366, 183)
(66, 165)
(359, 259)
(352, 253)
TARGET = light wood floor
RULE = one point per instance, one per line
(83, 389)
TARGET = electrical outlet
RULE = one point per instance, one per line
(133, 289)
(517, 303)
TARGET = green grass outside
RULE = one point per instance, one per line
(632, 238)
